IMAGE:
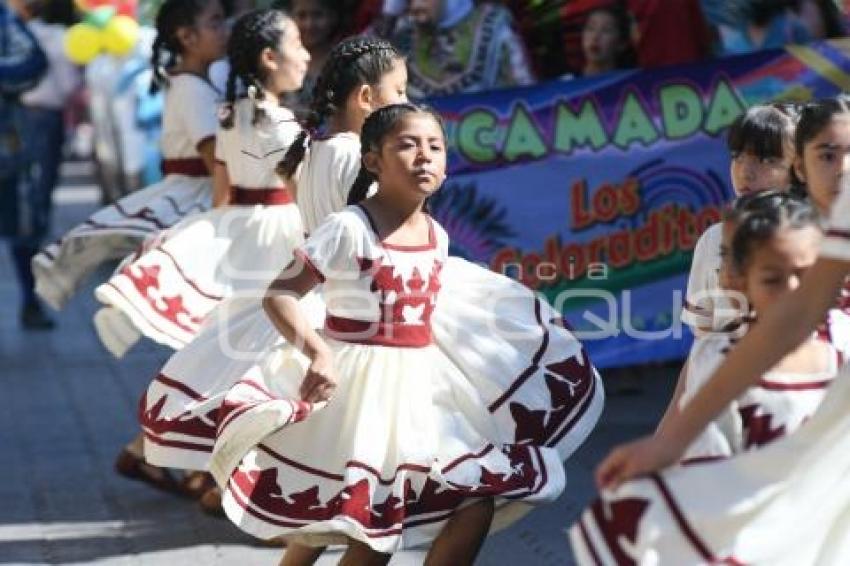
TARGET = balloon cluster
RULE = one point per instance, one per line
(108, 25)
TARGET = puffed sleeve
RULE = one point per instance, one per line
(347, 162)
(200, 110)
(698, 312)
(334, 249)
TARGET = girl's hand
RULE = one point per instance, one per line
(320, 380)
(624, 462)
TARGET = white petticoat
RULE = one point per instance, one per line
(491, 409)
(167, 292)
(114, 232)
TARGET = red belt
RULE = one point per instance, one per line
(191, 167)
(267, 197)
(378, 333)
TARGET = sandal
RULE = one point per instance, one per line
(210, 502)
(135, 468)
(195, 484)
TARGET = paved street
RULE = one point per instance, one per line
(68, 407)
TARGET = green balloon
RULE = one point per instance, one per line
(100, 16)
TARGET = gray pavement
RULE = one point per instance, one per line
(68, 407)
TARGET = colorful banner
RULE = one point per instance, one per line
(595, 191)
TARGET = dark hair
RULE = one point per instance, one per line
(814, 117)
(765, 130)
(375, 129)
(353, 62)
(626, 58)
(252, 33)
(768, 213)
(334, 6)
(172, 15)
(761, 12)
(58, 12)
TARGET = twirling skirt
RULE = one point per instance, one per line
(491, 409)
(166, 292)
(114, 232)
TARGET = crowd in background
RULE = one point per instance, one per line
(465, 45)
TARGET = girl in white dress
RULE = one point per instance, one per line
(416, 431)
(761, 148)
(193, 34)
(169, 289)
(361, 75)
(782, 400)
(788, 503)
(167, 293)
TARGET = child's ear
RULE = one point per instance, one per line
(799, 169)
(364, 98)
(268, 60)
(372, 163)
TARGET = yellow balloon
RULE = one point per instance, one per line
(83, 42)
(120, 35)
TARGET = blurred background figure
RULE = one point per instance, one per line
(653, 27)
(606, 41)
(43, 137)
(670, 32)
(455, 46)
(821, 18)
(320, 23)
(766, 24)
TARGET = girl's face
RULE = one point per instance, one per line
(752, 174)
(207, 39)
(286, 65)
(600, 39)
(776, 266)
(315, 21)
(825, 162)
(412, 158)
(392, 88)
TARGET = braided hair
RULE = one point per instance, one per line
(172, 15)
(352, 63)
(375, 129)
(764, 216)
(252, 33)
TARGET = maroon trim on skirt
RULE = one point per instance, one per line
(801, 386)
(378, 333)
(684, 526)
(180, 444)
(180, 386)
(191, 167)
(532, 368)
(266, 196)
(701, 460)
(588, 543)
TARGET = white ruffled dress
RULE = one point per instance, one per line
(437, 404)
(189, 119)
(785, 504)
(167, 291)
